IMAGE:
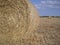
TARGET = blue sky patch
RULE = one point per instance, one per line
(47, 7)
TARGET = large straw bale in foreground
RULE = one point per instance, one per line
(17, 19)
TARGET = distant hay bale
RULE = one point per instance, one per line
(17, 18)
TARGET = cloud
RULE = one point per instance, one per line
(48, 3)
(37, 6)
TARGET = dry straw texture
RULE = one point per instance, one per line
(17, 19)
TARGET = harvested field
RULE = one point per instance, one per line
(49, 31)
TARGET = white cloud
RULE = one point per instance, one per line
(37, 6)
(48, 3)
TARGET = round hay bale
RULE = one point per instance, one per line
(17, 19)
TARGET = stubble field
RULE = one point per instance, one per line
(49, 31)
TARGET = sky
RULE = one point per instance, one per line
(47, 7)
